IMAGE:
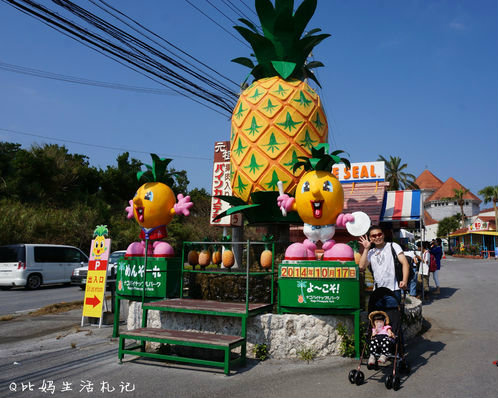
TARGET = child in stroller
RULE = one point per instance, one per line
(384, 301)
(383, 338)
(385, 305)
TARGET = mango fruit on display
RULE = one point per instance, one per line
(279, 117)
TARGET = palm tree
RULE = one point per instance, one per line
(490, 194)
(395, 175)
(458, 196)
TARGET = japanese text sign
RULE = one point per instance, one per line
(221, 185)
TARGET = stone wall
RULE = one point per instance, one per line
(284, 335)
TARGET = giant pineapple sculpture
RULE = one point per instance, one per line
(279, 117)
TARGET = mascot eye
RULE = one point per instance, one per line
(306, 187)
(327, 186)
(149, 195)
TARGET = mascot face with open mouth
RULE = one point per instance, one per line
(319, 198)
(152, 205)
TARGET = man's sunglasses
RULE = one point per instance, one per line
(376, 235)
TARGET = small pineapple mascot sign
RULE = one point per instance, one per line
(97, 274)
(279, 117)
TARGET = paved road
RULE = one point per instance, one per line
(22, 300)
(453, 358)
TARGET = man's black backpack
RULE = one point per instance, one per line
(398, 267)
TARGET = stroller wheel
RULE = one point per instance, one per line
(389, 382)
(360, 378)
(396, 383)
(352, 376)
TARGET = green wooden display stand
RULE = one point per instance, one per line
(163, 291)
(321, 287)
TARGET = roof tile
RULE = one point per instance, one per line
(447, 191)
(428, 220)
(427, 180)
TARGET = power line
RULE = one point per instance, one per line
(137, 46)
(216, 23)
(138, 54)
(221, 12)
(134, 44)
(79, 80)
(238, 11)
(249, 8)
(161, 38)
(100, 146)
(129, 66)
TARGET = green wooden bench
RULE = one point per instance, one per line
(184, 338)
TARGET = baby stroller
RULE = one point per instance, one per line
(377, 303)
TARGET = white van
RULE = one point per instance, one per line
(31, 265)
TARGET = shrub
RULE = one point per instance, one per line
(261, 351)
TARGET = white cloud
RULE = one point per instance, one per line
(456, 25)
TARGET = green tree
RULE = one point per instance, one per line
(447, 225)
(459, 197)
(197, 225)
(490, 194)
(49, 174)
(119, 183)
(8, 152)
(396, 176)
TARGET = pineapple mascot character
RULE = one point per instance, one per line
(279, 117)
(153, 207)
(319, 202)
(99, 243)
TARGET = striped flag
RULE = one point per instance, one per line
(401, 206)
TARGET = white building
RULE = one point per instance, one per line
(436, 204)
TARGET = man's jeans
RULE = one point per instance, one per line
(389, 301)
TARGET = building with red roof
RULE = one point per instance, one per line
(480, 227)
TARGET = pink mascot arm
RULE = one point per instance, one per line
(183, 205)
(286, 202)
(129, 209)
(342, 219)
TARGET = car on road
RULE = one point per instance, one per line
(33, 265)
(79, 274)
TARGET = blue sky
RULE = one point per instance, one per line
(414, 79)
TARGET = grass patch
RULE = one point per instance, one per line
(306, 354)
(57, 308)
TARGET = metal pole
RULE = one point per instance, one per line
(144, 312)
(248, 248)
(421, 240)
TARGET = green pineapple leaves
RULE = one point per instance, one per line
(157, 171)
(100, 230)
(321, 159)
(284, 47)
